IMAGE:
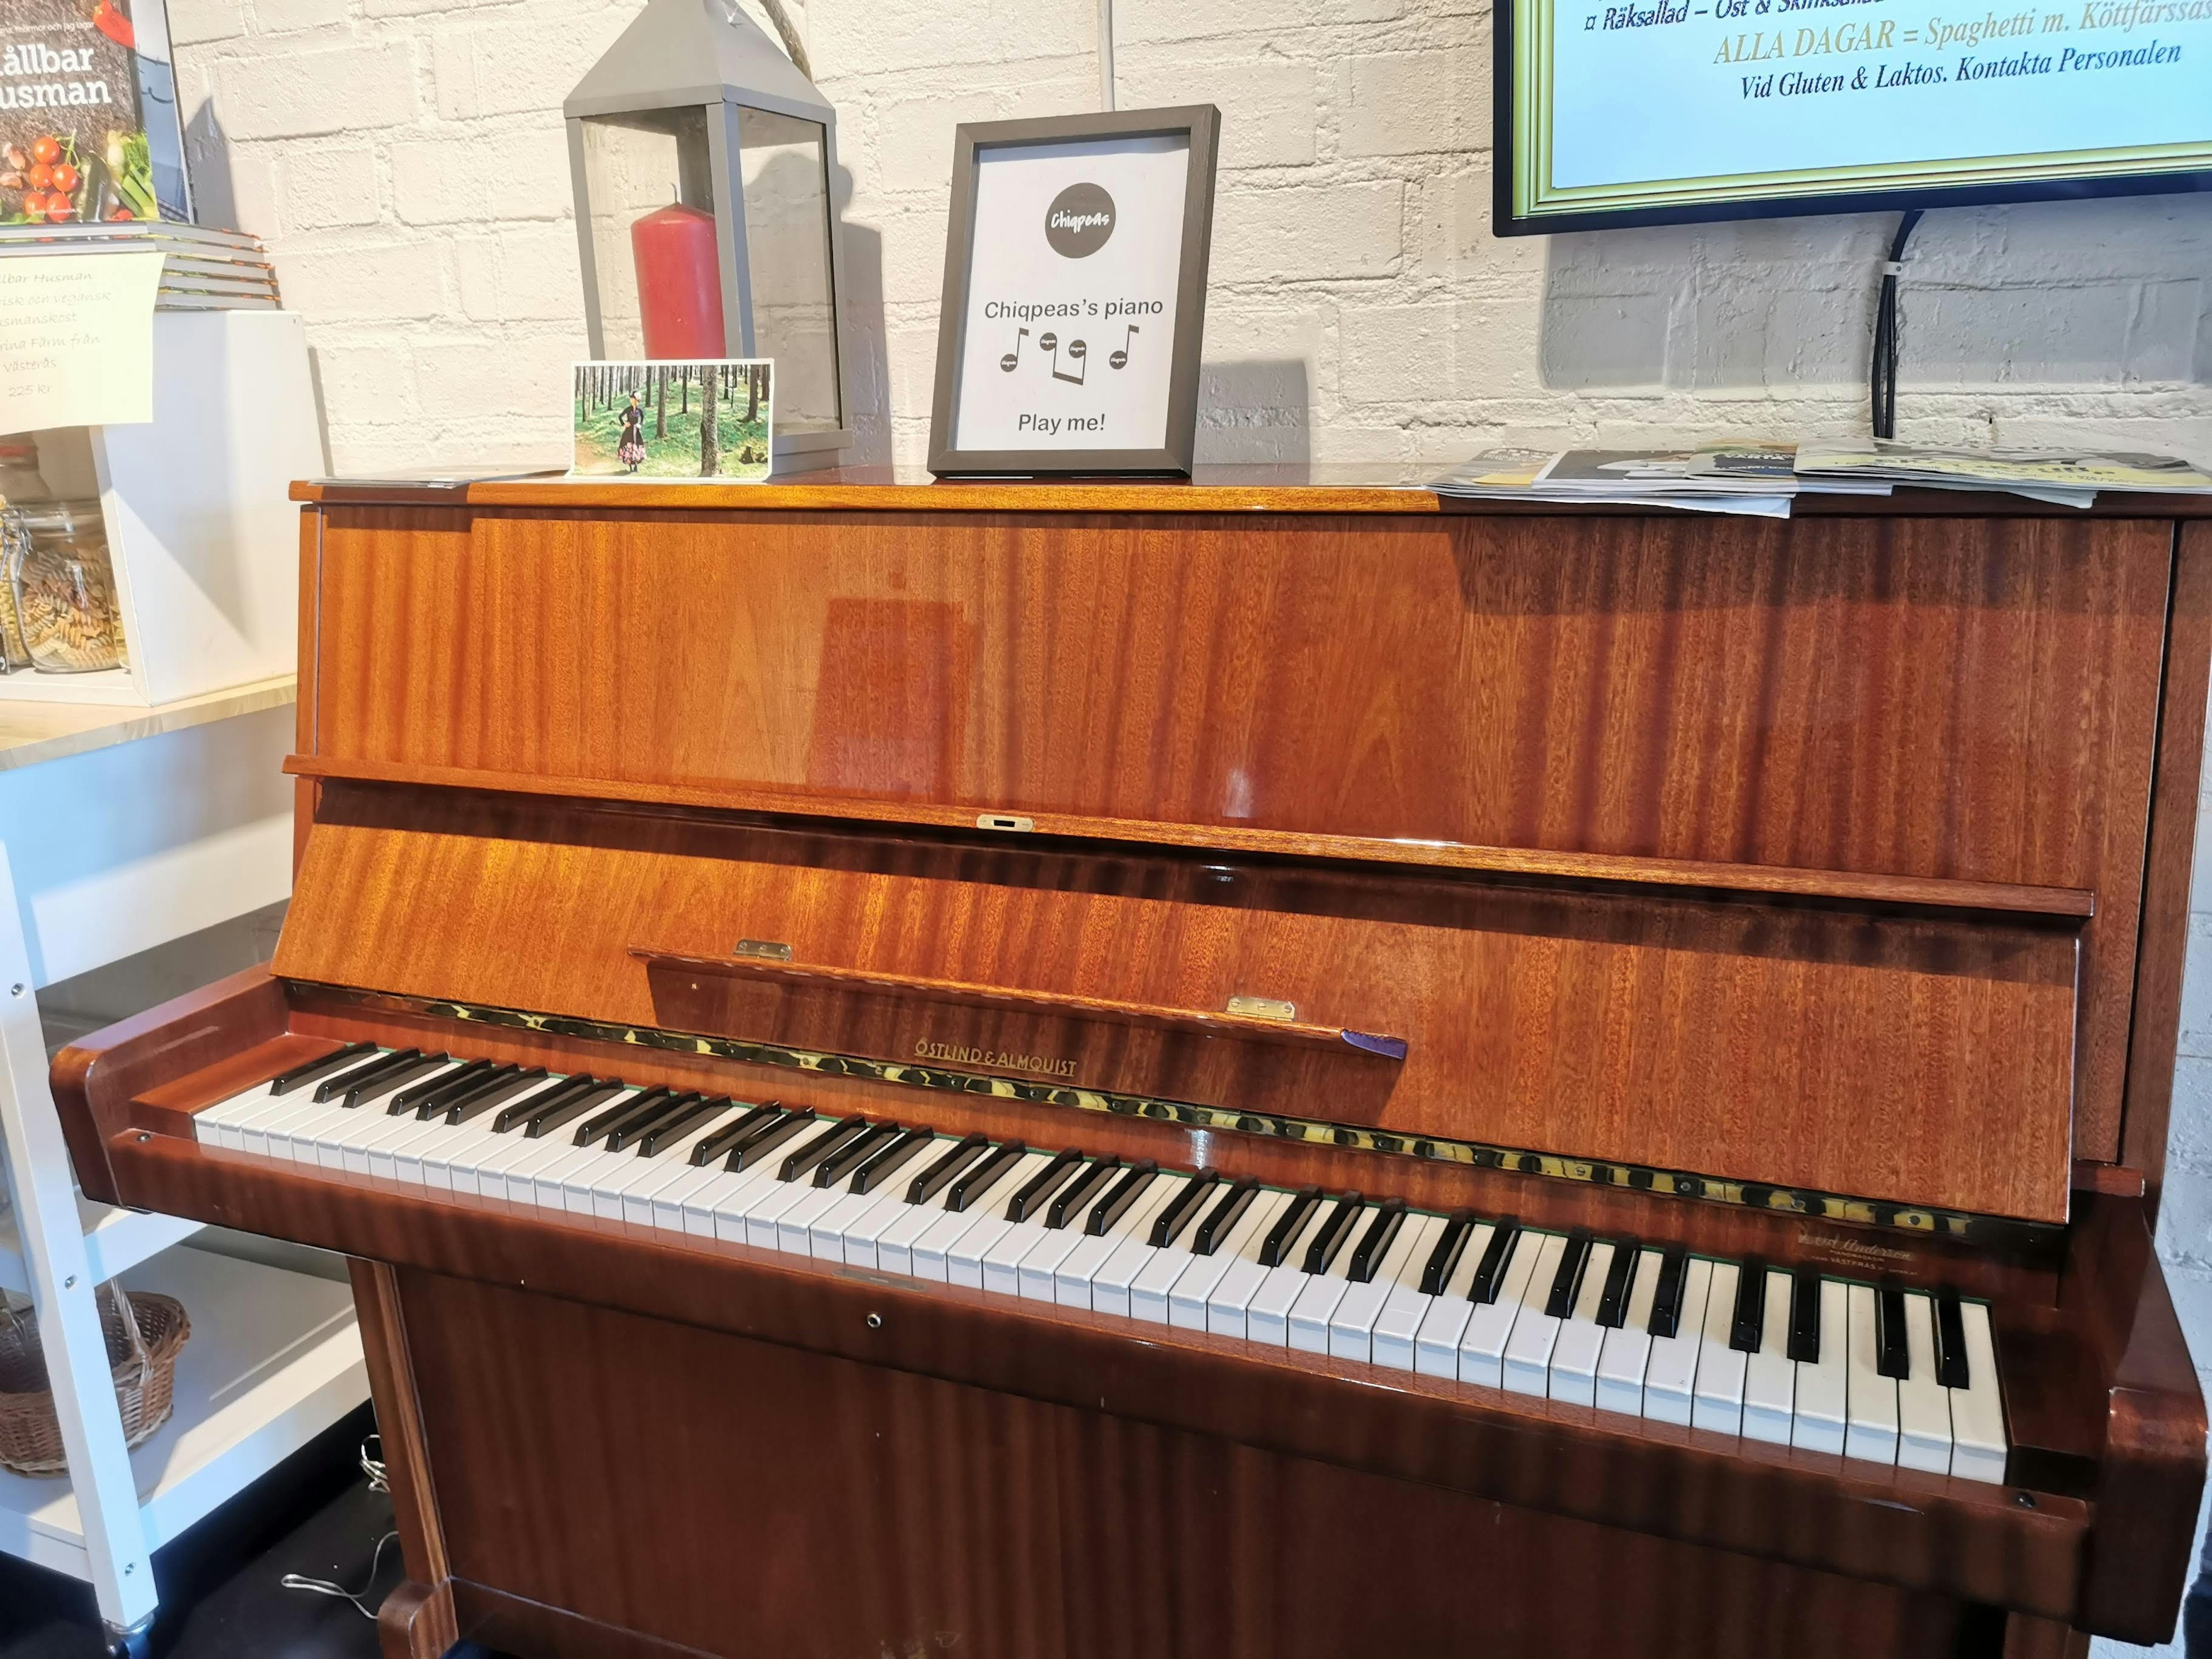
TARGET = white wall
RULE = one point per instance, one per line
(405, 163)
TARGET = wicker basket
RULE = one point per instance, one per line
(143, 1333)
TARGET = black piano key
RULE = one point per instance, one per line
(1567, 1283)
(885, 1163)
(398, 1061)
(1080, 1191)
(1120, 1196)
(1620, 1284)
(1367, 1256)
(457, 1085)
(1335, 1228)
(547, 1115)
(1491, 1268)
(1805, 1316)
(422, 1065)
(627, 1133)
(855, 1152)
(1951, 1369)
(755, 1149)
(1666, 1294)
(803, 1160)
(653, 1142)
(1221, 1220)
(1040, 1188)
(730, 1134)
(1443, 1261)
(523, 1111)
(1747, 1329)
(643, 1103)
(1893, 1357)
(489, 1094)
(284, 1082)
(1179, 1211)
(972, 1182)
(933, 1180)
(412, 1098)
(1279, 1237)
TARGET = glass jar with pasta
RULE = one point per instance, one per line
(62, 584)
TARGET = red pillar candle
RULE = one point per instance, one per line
(680, 283)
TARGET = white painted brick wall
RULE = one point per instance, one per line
(405, 162)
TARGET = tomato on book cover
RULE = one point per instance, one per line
(89, 129)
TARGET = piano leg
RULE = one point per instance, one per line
(417, 1619)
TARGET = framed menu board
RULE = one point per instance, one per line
(1075, 294)
(89, 128)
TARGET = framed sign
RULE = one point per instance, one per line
(1075, 294)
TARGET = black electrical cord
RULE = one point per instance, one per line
(1883, 377)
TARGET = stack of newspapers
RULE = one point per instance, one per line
(202, 269)
(1765, 478)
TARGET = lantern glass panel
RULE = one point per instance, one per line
(787, 197)
(635, 164)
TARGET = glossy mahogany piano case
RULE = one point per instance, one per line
(1808, 895)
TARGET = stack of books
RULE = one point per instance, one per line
(202, 269)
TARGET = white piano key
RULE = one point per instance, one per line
(1187, 1303)
(210, 1122)
(1978, 1430)
(702, 1203)
(1072, 1280)
(671, 1167)
(966, 1237)
(1398, 1322)
(399, 1158)
(1527, 1358)
(766, 1215)
(1627, 1350)
(298, 1107)
(552, 1148)
(1490, 1326)
(359, 1144)
(865, 1231)
(293, 1138)
(825, 1239)
(667, 1202)
(794, 1228)
(1770, 1377)
(1109, 1284)
(1670, 1375)
(1267, 1316)
(1436, 1344)
(1717, 1400)
(1870, 1397)
(483, 1170)
(1156, 1280)
(1306, 1325)
(1820, 1416)
(1923, 1404)
(1228, 1306)
(231, 1126)
(1352, 1326)
(1002, 1262)
(1573, 1375)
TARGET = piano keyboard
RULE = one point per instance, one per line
(1876, 1373)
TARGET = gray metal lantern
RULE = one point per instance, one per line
(703, 160)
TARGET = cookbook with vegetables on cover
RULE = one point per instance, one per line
(88, 123)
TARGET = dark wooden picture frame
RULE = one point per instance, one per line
(1200, 124)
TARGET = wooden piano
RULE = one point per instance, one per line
(1248, 1067)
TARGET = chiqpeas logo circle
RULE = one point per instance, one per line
(1079, 222)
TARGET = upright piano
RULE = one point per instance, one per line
(1254, 1067)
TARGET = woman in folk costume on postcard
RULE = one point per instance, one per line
(631, 452)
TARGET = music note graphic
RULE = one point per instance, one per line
(1121, 359)
(1048, 343)
(1012, 360)
(1078, 352)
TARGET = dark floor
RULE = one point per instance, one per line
(219, 1596)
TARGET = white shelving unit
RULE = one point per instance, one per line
(121, 830)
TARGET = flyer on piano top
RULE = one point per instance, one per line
(89, 128)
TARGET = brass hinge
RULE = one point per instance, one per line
(767, 950)
(1263, 1008)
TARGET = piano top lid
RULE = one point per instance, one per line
(1314, 486)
